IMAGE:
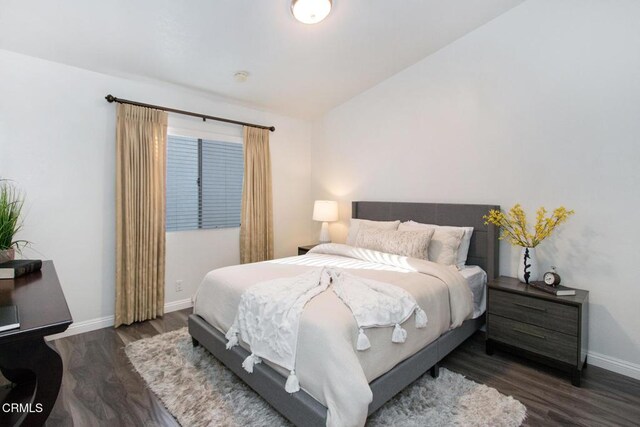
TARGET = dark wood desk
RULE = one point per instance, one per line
(26, 359)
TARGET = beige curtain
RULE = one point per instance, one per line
(141, 138)
(256, 223)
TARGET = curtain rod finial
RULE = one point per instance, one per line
(272, 128)
(110, 98)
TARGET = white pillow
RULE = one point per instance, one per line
(449, 245)
(355, 227)
(414, 243)
(463, 250)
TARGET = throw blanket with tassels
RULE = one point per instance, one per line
(269, 314)
(268, 318)
(376, 304)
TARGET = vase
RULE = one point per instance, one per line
(528, 266)
(7, 255)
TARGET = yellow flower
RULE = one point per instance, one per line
(514, 229)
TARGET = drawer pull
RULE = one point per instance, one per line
(542, 337)
(530, 306)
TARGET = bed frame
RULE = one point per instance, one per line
(302, 409)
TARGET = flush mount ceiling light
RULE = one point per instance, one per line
(310, 11)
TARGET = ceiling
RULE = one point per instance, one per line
(297, 69)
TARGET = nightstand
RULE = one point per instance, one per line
(538, 325)
(304, 249)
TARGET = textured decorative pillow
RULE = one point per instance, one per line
(445, 243)
(414, 244)
(355, 227)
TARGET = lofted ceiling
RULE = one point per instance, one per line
(297, 69)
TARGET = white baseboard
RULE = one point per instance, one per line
(178, 305)
(107, 321)
(612, 364)
(84, 326)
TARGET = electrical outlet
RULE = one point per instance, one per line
(178, 285)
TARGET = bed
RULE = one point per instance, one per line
(208, 323)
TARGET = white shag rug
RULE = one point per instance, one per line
(199, 391)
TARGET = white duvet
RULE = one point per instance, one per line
(328, 365)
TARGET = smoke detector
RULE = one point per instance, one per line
(241, 76)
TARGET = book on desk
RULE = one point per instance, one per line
(19, 267)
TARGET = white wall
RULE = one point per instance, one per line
(57, 140)
(540, 106)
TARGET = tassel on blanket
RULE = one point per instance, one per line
(363, 341)
(421, 318)
(232, 337)
(231, 332)
(233, 341)
(399, 334)
(292, 384)
(250, 361)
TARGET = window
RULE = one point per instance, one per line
(204, 183)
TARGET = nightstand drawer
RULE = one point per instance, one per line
(550, 315)
(538, 340)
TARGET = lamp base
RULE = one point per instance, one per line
(325, 237)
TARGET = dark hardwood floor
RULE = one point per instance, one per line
(101, 389)
(605, 398)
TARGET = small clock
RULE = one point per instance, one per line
(552, 278)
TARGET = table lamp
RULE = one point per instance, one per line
(325, 211)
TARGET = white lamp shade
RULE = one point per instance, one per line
(310, 11)
(325, 210)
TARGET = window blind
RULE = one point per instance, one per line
(204, 183)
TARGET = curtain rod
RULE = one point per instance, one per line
(110, 98)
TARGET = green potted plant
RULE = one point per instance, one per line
(11, 204)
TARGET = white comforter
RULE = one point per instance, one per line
(328, 366)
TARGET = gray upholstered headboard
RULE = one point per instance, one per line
(484, 250)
